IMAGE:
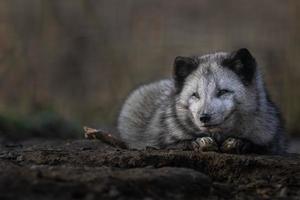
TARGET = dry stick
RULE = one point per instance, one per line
(90, 133)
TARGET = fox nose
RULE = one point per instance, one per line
(205, 118)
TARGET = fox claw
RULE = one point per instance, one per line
(205, 144)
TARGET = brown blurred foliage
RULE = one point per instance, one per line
(82, 57)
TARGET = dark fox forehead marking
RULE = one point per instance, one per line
(241, 62)
(206, 71)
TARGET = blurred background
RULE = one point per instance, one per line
(68, 63)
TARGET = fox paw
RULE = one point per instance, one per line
(235, 146)
(205, 144)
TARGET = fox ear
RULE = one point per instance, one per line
(243, 64)
(183, 66)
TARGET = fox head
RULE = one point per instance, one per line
(213, 91)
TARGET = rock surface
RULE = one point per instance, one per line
(89, 169)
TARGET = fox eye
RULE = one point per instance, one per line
(196, 95)
(222, 92)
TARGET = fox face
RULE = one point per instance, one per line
(213, 90)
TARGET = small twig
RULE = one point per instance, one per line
(90, 133)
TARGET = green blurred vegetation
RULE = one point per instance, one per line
(82, 57)
(43, 124)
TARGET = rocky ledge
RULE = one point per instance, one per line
(89, 169)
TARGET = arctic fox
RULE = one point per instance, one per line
(213, 102)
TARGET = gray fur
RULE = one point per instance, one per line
(158, 115)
